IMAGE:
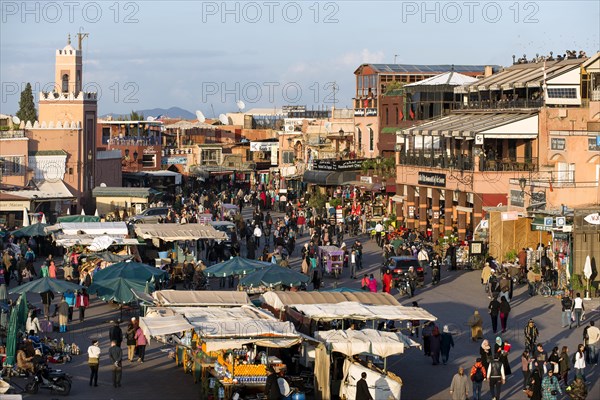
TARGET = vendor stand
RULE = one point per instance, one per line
(332, 260)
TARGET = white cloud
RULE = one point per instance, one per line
(355, 58)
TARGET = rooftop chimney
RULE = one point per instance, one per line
(487, 71)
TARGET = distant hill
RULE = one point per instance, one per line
(173, 112)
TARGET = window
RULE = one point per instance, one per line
(149, 161)
(371, 140)
(65, 83)
(557, 143)
(12, 165)
(359, 140)
(562, 93)
(593, 144)
(288, 157)
(387, 116)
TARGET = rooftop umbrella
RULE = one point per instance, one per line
(31, 230)
(129, 270)
(46, 284)
(25, 217)
(587, 272)
(274, 275)
(18, 316)
(235, 266)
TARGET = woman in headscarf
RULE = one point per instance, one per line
(485, 352)
(476, 324)
(501, 348)
(446, 343)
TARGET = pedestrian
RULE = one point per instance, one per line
(578, 308)
(564, 365)
(447, 342)
(485, 351)
(494, 310)
(130, 337)
(94, 361)
(566, 304)
(63, 314)
(592, 340)
(70, 299)
(577, 390)
(271, 387)
(387, 281)
(426, 333)
(459, 388)
(317, 276)
(496, 377)
(362, 388)
(504, 311)
(115, 334)
(531, 335)
(478, 374)
(372, 284)
(32, 323)
(550, 387)
(364, 283)
(553, 361)
(486, 273)
(353, 264)
(52, 269)
(534, 385)
(47, 298)
(140, 344)
(525, 361)
(116, 355)
(83, 301)
(415, 323)
(476, 324)
(579, 362)
(435, 345)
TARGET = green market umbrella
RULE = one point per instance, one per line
(117, 289)
(274, 275)
(18, 316)
(110, 256)
(235, 266)
(31, 230)
(46, 284)
(129, 270)
(78, 218)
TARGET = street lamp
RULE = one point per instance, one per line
(135, 155)
(522, 183)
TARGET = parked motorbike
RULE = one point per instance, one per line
(403, 284)
(57, 381)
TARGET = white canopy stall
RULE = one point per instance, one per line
(162, 322)
(363, 312)
(366, 341)
(197, 298)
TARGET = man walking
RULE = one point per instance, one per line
(531, 335)
(578, 308)
(459, 388)
(477, 375)
(115, 334)
(593, 340)
(496, 376)
(116, 354)
(494, 310)
(566, 304)
(362, 388)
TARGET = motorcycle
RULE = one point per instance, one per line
(57, 381)
(403, 285)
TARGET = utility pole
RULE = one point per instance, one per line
(80, 36)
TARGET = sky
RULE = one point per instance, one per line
(205, 55)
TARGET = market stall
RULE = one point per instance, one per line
(199, 298)
(332, 259)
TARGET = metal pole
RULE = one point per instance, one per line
(385, 364)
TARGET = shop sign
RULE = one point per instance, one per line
(593, 219)
(359, 112)
(371, 112)
(366, 179)
(517, 198)
(537, 227)
(263, 146)
(293, 109)
(173, 160)
(561, 221)
(509, 216)
(150, 150)
(432, 179)
(338, 165)
(11, 205)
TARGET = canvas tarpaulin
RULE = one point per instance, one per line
(218, 344)
(278, 299)
(175, 232)
(201, 298)
(362, 312)
(351, 342)
(322, 369)
(154, 325)
(382, 387)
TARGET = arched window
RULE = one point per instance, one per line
(371, 140)
(65, 83)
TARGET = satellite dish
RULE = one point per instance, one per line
(328, 126)
(150, 119)
(223, 118)
(16, 120)
(103, 184)
(241, 105)
(200, 116)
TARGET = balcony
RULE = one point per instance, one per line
(13, 134)
(499, 104)
(466, 163)
(152, 141)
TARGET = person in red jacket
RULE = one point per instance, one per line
(478, 375)
(387, 281)
(83, 301)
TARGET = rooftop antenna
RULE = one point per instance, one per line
(80, 36)
(213, 110)
(200, 116)
(241, 105)
(395, 55)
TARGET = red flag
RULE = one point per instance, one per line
(411, 113)
(366, 103)
(551, 188)
(400, 116)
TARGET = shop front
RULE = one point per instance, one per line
(11, 209)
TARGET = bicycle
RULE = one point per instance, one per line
(543, 288)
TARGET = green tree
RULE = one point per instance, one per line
(27, 111)
(134, 116)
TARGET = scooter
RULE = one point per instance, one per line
(57, 381)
